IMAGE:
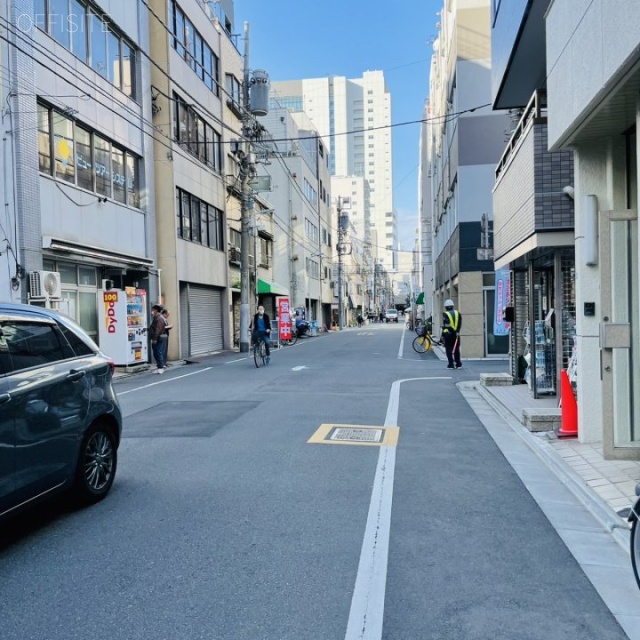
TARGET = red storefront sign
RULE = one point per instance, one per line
(284, 318)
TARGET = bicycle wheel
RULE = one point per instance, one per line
(635, 550)
(421, 344)
(293, 339)
(258, 350)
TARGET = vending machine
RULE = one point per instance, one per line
(122, 319)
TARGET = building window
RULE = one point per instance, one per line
(265, 252)
(90, 38)
(44, 140)
(84, 158)
(64, 153)
(196, 135)
(310, 193)
(84, 161)
(311, 230)
(312, 268)
(198, 221)
(191, 46)
(234, 89)
(78, 27)
(102, 155)
(58, 21)
(118, 173)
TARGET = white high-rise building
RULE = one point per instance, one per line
(354, 118)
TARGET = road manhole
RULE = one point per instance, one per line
(356, 434)
(364, 435)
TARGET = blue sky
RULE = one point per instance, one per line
(307, 39)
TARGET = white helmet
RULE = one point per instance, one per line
(449, 303)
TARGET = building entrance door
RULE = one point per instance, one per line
(619, 334)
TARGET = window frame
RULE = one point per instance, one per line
(92, 22)
(131, 162)
(202, 218)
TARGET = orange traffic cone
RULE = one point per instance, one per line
(569, 408)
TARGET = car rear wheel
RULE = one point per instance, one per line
(96, 465)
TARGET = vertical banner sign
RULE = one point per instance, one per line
(502, 300)
(284, 318)
(110, 299)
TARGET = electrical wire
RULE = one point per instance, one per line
(203, 109)
(172, 148)
(176, 147)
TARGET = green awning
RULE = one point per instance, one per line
(266, 286)
(420, 298)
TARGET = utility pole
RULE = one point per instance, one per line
(247, 171)
(343, 224)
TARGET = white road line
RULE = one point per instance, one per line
(367, 604)
(238, 360)
(153, 384)
(401, 349)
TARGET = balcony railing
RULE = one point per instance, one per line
(535, 111)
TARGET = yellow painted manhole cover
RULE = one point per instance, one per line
(355, 434)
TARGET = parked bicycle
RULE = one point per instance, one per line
(424, 341)
(634, 518)
(414, 325)
(297, 331)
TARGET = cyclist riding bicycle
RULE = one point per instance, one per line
(261, 330)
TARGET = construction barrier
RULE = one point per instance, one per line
(569, 408)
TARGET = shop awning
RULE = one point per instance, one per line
(420, 298)
(267, 286)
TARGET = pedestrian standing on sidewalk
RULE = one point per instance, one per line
(451, 323)
(156, 329)
(165, 336)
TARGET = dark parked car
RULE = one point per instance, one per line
(60, 421)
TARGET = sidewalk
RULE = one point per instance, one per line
(606, 487)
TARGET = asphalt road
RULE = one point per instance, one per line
(226, 524)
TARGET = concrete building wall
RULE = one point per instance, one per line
(359, 103)
(47, 206)
(471, 305)
(585, 58)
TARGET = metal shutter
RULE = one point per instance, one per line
(205, 319)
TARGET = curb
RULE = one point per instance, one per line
(609, 519)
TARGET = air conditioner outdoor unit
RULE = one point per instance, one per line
(45, 285)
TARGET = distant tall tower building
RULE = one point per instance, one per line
(354, 118)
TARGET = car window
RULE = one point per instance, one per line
(80, 348)
(29, 344)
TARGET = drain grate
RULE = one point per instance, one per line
(356, 435)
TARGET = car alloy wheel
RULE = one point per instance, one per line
(97, 465)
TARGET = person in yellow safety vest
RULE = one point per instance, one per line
(451, 325)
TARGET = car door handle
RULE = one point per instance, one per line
(75, 375)
(4, 397)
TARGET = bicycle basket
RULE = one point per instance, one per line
(422, 330)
